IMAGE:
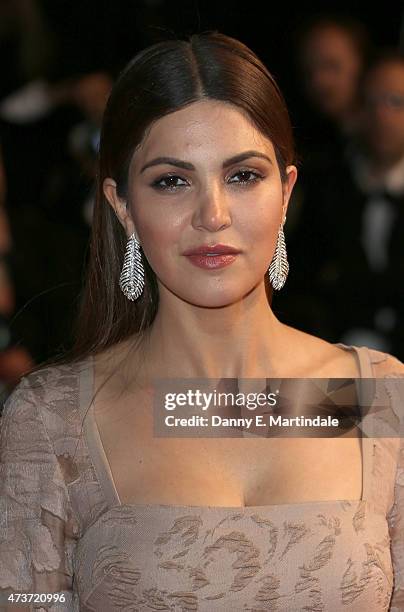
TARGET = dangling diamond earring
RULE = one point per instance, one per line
(279, 267)
(131, 280)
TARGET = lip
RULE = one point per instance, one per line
(216, 249)
(212, 262)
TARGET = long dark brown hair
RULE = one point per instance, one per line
(159, 80)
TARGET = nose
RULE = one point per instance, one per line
(212, 212)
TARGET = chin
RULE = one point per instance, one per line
(213, 297)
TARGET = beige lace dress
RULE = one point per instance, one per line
(64, 531)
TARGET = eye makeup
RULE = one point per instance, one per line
(156, 184)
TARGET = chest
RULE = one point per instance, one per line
(223, 471)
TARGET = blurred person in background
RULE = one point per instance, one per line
(27, 44)
(90, 94)
(331, 52)
(51, 210)
(14, 360)
(354, 222)
(50, 109)
(377, 167)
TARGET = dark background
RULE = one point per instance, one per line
(88, 36)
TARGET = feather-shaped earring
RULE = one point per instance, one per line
(279, 267)
(131, 280)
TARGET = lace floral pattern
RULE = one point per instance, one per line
(37, 529)
(275, 558)
(59, 533)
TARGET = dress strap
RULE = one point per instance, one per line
(363, 356)
(365, 362)
(367, 392)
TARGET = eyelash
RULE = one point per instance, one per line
(155, 184)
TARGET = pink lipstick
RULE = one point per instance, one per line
(211, 257)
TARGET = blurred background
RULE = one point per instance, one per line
(342, 74)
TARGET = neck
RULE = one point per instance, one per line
(234, 341)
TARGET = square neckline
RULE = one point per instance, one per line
(99, 459)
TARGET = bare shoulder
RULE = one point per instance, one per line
(320, 358)
(116, 373)
(114, 358)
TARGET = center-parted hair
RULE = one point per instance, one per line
(159, 80)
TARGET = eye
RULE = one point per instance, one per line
(171, 182)
(244, 173)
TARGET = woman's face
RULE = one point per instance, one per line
(199, 197)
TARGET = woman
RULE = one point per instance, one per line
(196, 151)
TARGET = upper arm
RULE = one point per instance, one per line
(392, 369)
(396, 530)
(36, 539)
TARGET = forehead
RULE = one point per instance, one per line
(204, 128)
(327, 39)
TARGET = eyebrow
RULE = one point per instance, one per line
(188, 166)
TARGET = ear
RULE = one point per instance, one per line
(291, 172)
(119, 205)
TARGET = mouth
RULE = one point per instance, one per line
(212, 261)
(213, 250)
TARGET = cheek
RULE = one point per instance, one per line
(258, 227)
(159, 233)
